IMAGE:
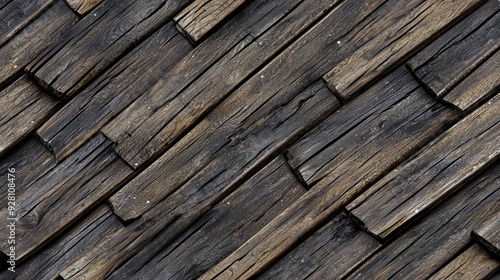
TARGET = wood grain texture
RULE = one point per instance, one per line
(78, 239)
(438, 170)
(220, 231)
(209, 74)
(99, 40)
(82, 7)
(17, 14)
(451, 58)
(439, 237)
(46, 29)
(477, 87)
(201, 16)
(202, 169)
(421, 22)
(119, 86)
(64, 194)
(23, 107)
(412, 119)
(488, 235)
(330, 253)
(474, 263)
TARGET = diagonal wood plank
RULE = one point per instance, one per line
(424, 21)
(23, 107)
(98, 41)
(439, 237)
(56, 200)
(448, 60)
(438, 170)
(82, 7)
(119, 86)
(46, 29)
(330, 253)
(477, 87)
(200, 81)
(401, 126)
(211, 163)
(488, 235)
(221, 230)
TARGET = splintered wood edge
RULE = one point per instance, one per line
(485, 244)
(82, 7)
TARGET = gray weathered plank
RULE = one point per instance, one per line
(209, 74)
(399, 117)
(83, 236)
(23, 107)
(98, 40)
(33, 39)
(330, 253)
(201, 16)
(477, 87)
(488, 235)
(422, 22)
(199, 171)
(82, 7)
(439, 237)
(116, 88)
(223, 229)
(448, 60)
(435, 172)
(57, 199)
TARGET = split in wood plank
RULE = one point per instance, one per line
(119, 86)
(423, 22)
(438, 170)
(98, 40)
(488, 235)
(200, 17)
(82, 7)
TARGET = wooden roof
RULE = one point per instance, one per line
(283, 139)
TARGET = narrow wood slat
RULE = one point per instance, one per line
(330, 253)
(221, 230)
(119, 86)
(448, 60)
(439, 237)
(98, 40)
(488, 235)
(84, 235)
(23, 107)
(478, 86)
(210, 163)
(33, 39)
(201, 16)
(82, 7)
(437, 171)
(209, 74)
(423, 21)
(374, 143)
(17, 14)
(64, 194)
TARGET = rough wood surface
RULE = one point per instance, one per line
(83, 236)
(99, 40)
(410, 120)
(448, 60)
(223, 229)
(488, 235)
(477, 87)
(119, 86)
(23, 107)
(421, 22)
(201, 16)
(438, 170)
(33, 39)
(64, 194)
(439, 237)
(209, 74)
(330, 253)
(17, 14)
(203, 168)
(83, 6)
